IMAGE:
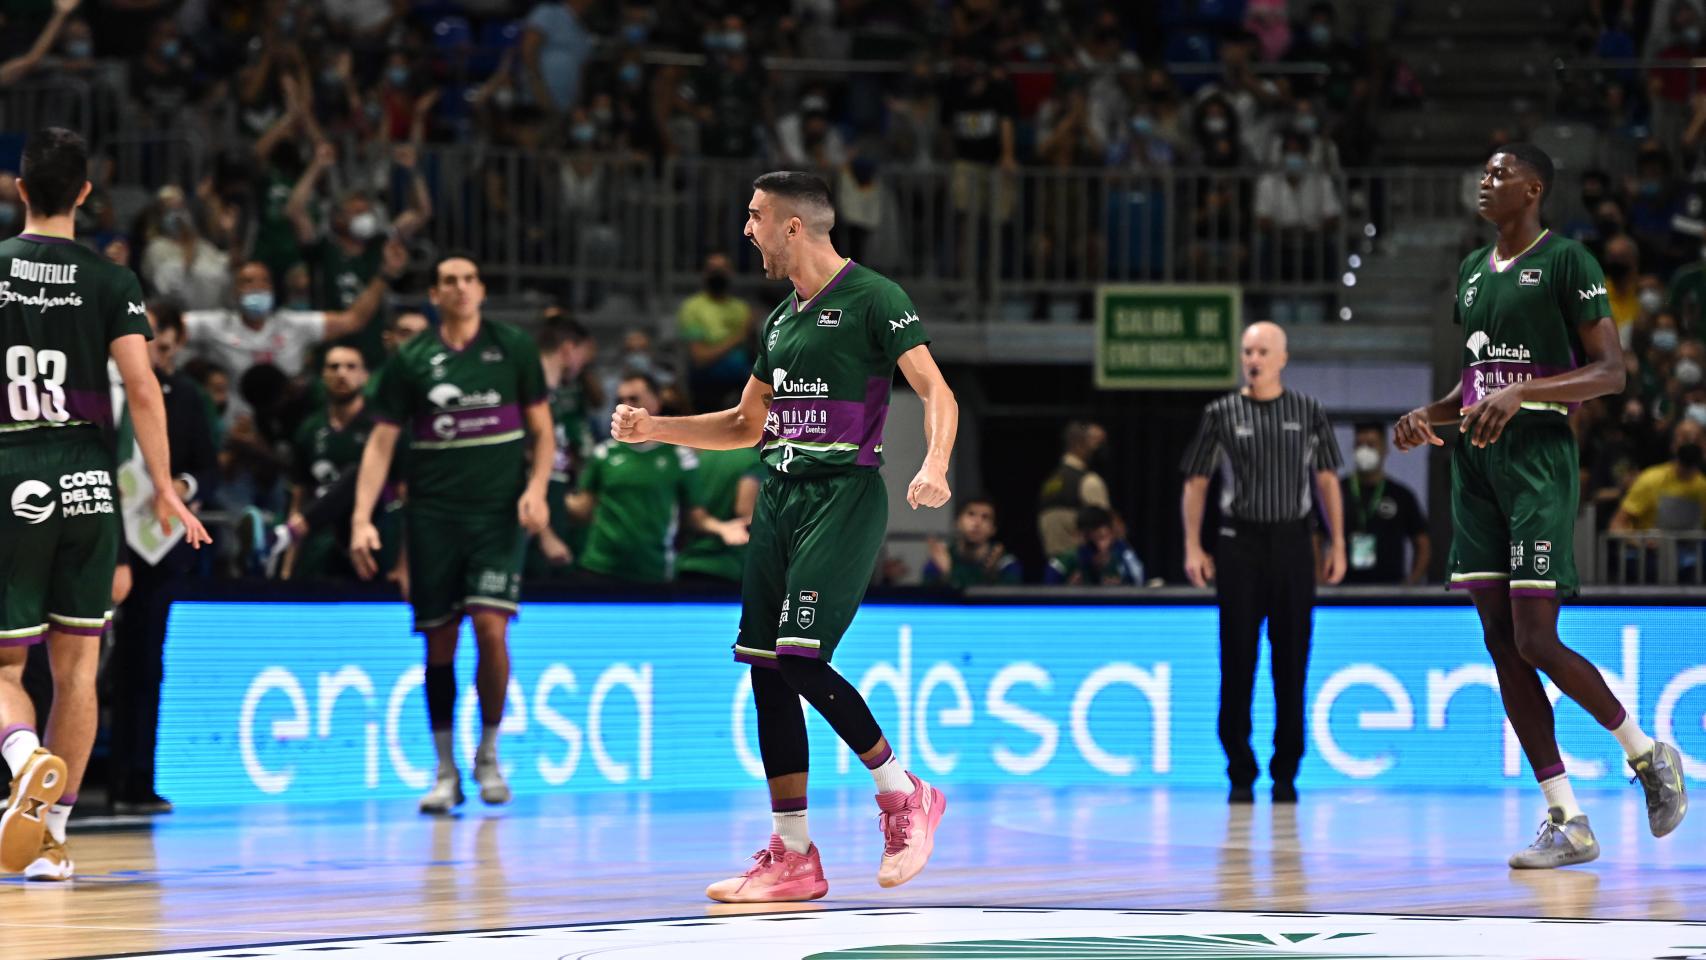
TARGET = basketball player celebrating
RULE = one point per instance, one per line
(817, 400)
(470, 394)
(64, 310)
(1531, 304)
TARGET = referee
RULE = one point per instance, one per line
(1278, 442)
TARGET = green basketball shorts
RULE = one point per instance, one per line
(1513, 510)
(59, 536)
(814, 547)
(462, 563)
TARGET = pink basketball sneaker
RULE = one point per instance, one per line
(909, 830)
(779, 875)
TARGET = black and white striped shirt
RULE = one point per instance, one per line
(1275, 446)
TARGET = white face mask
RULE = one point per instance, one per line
(1687, 372)
(364, 226)
(1697, 413)
(1367, 459)
(1652, 300)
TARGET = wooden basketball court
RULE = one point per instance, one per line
(550, 876)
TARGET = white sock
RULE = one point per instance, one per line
(791, 827)
(1634, 741)
(891, 777)
(18, 747)
(57, 815)
(444, 742)
(488, 742)
(1559, 794)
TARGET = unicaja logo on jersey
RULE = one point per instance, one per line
(783, 387)
(450, 395)
(444, 395)
(1482, 347)
(29, 512)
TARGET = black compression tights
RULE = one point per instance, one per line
(782, 724)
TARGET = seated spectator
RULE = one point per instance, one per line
(974, 558)
(1103, 558)
(1687, 293)
(1671, 495)
(633, 496)
(1622, 270)
(179, 262)
(1072, 486)
(258, 332)
(717, 328)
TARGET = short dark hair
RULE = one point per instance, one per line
(1536, 160)
(55, 167)
(558, 329)
(801, 189)
(1075, 433)
(444, 258)
(1094, 518)
(650, 381)
(967, 504)
(1374, 425)
(168, 315)
(394, 321)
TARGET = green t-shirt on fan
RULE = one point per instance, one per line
(719, 476)
(641, 491)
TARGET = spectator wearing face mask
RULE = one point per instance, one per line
(344, 259)
(1671, 495)
(717, 327)
(1579, 223)
(1381, 516)
(1622, 267)
(179, 262)
(1072, 486)
(805, 138)
(256, 332)
(1654, 206)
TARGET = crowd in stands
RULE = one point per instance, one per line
(1638, 200)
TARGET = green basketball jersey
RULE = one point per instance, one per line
(1522, 322)
(61, 307)
(463, 413)
(640, 492)
(322, 454)
(830, 362)
(572, 420)
(719, 476)
(338, 279)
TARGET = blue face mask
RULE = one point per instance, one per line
(1665, 340)
(79, 49)
(631, 74)
(1035, 51)
(734, 42)
(636, 34)
(1650, 188)
(1295, 163)
(1320, 34)
(584, 133)
(1141, 125)
(1308, 123)
(258, 303)
(8, 215)
(398, 76)
(170, 50)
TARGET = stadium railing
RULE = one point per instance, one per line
(1651, 557)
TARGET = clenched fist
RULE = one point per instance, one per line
(631, 424)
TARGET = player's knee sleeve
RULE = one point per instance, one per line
(830, 694)
(781, 725)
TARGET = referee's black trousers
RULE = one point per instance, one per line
(1264, 570)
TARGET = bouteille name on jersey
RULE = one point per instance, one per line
(44, 272)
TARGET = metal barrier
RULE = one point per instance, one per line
(1651, 557)
(969, 241)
